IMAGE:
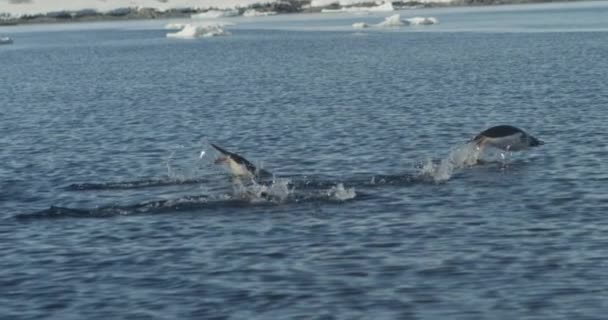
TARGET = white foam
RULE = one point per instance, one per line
(422, 21)
(255, 13)
(360, 25)
(193, 31)
(340, 193)
(277, 191)
(214, 14)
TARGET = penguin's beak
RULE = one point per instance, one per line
(535, 142)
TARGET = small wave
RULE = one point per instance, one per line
(131, 184)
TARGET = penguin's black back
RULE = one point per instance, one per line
(499, 131)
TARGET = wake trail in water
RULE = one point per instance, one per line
(153, 207)
(135, 184)
(293, 190)
(244, 196)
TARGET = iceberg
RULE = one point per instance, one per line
(193, 31)
(393, 21)
(6, 40)
(360, 25)
(174, 26)
(418, 21)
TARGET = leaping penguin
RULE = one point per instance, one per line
(507, 138)
(238, 166)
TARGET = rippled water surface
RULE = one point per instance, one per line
(108, 209)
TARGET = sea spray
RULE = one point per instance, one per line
(460, 157)
(340, 193)
(278, 190)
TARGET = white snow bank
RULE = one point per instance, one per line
(20, 7)
(193, 31)
(387, 6)
(255, 13)
(214, 14)
(323, 3)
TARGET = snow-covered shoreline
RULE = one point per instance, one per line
(42, 11)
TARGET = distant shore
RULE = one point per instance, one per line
(280, 7)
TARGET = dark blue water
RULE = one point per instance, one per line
(107, 210)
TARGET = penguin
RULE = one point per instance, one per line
(506, 138)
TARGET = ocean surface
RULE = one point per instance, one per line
(111, 206)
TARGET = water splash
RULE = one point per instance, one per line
(278, 190)
(170, 172)
(463, 156)
(338, 192)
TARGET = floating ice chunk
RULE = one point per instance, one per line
(360, 25)
(255, 13)
(6, 40)
(417, 21)
(192, 31)
(214, 14)
(393, 21)
(174, 26)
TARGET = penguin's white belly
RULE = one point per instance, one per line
(238, 169)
